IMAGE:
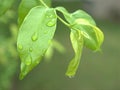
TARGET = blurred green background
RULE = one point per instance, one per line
(97, 71)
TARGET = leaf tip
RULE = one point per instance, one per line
(21, 76)
(70, 75)
(24, 70)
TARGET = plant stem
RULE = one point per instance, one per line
(65, 23)
(44, 3)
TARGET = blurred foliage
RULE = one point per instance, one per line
(8, 53)
(5, 5)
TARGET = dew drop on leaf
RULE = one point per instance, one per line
(34, 37)
(51, 23)
(28, 60)
(20, 46)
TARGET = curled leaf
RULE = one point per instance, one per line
(77, 44)
(80, 20)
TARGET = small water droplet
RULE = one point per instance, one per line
(51, 23)
(20, 46)
(28, 60)
(34, 37)
(30, 49)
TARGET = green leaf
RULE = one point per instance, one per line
(34, 37)
(79, 14)
(77, 43)
(25, 7)
(93, 37)
(80, 20)
(5, 5)
(84, 29)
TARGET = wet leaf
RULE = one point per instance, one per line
(34, 37)
(26, 6)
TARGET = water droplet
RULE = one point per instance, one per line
(28, 60)
(20, 46)
(30, 49)
(51, 23)
(34, 37)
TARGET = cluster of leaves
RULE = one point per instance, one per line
(37, 25)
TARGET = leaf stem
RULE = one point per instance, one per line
(44, 3)
(63, 21)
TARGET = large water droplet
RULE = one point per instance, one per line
(34, 37)
(28, 60)
(20, 46)
(51, 23)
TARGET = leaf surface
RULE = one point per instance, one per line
(80, 20)
(26, 5)
(77, 44)
(34, 37)
(83, 32)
